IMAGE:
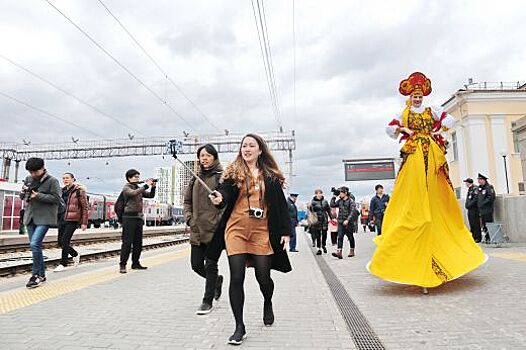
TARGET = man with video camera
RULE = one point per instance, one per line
(132, 220)
(346, 211)
(41, 192)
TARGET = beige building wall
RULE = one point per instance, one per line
(483, 134)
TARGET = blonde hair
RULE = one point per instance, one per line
(238, 169)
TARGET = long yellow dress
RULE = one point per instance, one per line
(424, 241)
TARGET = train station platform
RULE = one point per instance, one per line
(324, 303)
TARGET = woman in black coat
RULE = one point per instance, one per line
(255, 227)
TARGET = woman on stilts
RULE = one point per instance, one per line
(255, 228)
(424, 240)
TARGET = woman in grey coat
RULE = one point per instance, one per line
(203, 218)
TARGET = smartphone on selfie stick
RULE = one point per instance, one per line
(174, 147)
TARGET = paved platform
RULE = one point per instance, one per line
(93, 306)
(155, 309)
(485, 309)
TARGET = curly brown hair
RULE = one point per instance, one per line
(238, 170)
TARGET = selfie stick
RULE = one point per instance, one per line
(174, 146)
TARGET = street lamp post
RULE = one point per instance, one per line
(504, 155)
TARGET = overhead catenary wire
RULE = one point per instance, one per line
(100, 47)
(48, 82)
(49, 114)
(268, 51)
(267, 61)
(161, 70)
(294, 54)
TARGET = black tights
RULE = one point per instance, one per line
(262, 264)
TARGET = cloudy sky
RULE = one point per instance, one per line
(351, 56)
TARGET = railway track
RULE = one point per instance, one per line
(23, 267)
(77, 241)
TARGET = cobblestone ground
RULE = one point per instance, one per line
(154, 309)
(485, 309)
(93, 306)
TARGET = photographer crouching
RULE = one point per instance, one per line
(42, 193)
(132, 219)
(346, 211)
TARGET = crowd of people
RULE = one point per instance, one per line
(420, 235)
(50, 205)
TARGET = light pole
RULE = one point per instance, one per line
(504, 155)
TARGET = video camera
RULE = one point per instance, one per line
(143, 181)
(336, 191)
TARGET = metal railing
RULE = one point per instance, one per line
(492, 85)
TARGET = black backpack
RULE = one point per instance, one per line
(120, 204)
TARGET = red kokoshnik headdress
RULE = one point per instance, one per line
(417, 82)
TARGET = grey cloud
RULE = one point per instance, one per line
(348, 70)
(199, 39)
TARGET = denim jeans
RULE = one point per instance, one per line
(292, 242)
(36, 236)
(345, 231)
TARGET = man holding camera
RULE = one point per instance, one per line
(132, 219)
(42, 193)
(346, 209)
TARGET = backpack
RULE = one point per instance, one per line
(120, 204)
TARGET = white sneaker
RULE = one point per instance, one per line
(59, 268)
(76, 260)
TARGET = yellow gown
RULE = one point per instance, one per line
(424, 241)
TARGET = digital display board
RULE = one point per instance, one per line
(372, 170)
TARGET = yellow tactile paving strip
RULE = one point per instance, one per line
(20, 298)
(510, 256)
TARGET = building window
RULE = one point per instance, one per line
(515, 138)
(454, 145)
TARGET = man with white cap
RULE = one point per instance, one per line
(293, 213)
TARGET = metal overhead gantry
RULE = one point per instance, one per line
(149, 146)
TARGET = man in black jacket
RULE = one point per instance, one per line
(377, 208)
(293, 213)
(346, 206)
(473, 210)
(485, 201)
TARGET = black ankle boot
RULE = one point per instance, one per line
(268, 314)
(239, 335)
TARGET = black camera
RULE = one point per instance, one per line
(29, 188)
(256, 213)
(155, 180)
(335, 191)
